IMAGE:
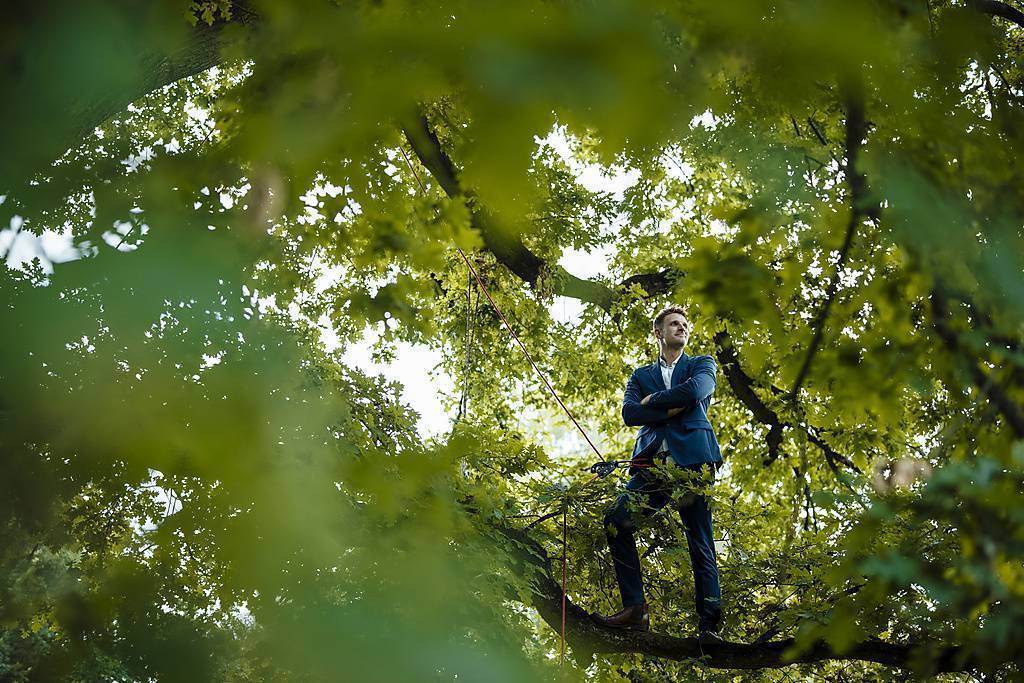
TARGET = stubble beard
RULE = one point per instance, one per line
(674, 343)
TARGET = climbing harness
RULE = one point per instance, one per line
(605, 467)
(601, 469)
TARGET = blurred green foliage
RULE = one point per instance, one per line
(193, 487)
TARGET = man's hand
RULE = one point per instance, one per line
(646, 399)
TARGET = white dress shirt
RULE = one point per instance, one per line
(666, 374)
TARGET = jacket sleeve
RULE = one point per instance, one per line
(636, 415)
(700, 385)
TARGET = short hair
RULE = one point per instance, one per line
(668, 310)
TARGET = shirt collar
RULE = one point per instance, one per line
(663, 363)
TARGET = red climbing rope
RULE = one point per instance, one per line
(565, 571)
(540, 374)
(483, 288)
(565, 507)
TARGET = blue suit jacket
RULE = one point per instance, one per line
(691, 440)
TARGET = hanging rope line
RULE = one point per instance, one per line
(483, 288)
(565, 572)
(536, 368)
(601, 469)
(464, 399)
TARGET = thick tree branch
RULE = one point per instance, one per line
(586, 638)
(654, 283)
(743, 387)
(998, 9)
(506, 246)
(105, 94)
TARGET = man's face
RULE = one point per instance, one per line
(674, 330)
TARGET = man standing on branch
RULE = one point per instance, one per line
(669, 401)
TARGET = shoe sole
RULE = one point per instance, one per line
(641, 629)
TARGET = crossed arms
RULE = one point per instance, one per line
(661, 406)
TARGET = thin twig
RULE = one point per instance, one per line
(858, 189)
(984, 381)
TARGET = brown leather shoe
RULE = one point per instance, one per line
(634, 618)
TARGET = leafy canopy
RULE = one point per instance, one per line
(196, 488)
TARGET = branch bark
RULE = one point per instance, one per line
(998, 9)
(743, 387)
(63, 124)
(507, 247)
(586, 638)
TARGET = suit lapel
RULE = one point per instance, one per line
(681, 370)
(654, 370)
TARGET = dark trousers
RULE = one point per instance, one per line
(646, 493)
